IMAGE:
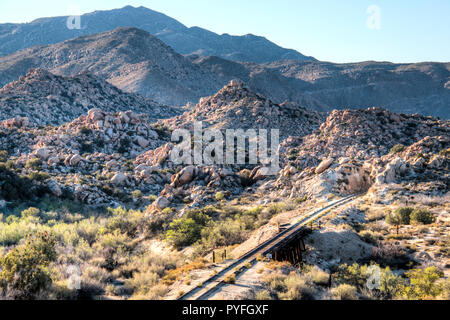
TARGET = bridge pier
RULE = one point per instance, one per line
(291, 249)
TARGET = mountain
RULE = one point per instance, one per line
(128, 58)
(135, 61)
(405, 88)
(44, 31)
(45, 98)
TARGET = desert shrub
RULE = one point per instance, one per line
(422, 216)
(344, 292)
(445, 152)
(424, 283)
(263, 295)
(24, 272)
(386, 285)
(400, 217)
(317, 276)
(223, 233)
(34, 164)
(124, 145)
(186, 231)
(85, 130)
(355, 275)
(30, 212)
(397, 149)
(15, 187)
(368, 236)
(404, 214)
(4, 155)
(88, 229)
(38, 176)
(16, 229)
(86, 147)
(181, 271)
(142, 282)
(220, 196)
(390, 284)
(167, 211)
(297, 288)
(137, 194)
(275, 282)
(131, 222)
(230, 278)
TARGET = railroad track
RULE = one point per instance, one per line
(213, 283)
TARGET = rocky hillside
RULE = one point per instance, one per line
(45, 98)
(130, 59)
(237, 107)
(44, 31)
(356, 149)
(403, 88)
(135, 61)
(369, 133)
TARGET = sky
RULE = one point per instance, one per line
(329, 30)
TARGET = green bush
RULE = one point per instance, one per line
(400, 216)
(223, 233)
(397, 149)
(187, 230)
(14, 187)
(24, 272)
(34, 164)
(137, 194)
(422, 216)
(220, 196)
(30, 212)
(38, 176)
(424, 283)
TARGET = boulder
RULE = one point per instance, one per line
(324, 165)
(161, 203)
(143, 143)
(436, 162)
(119, 179)
(54, 188)
(75, 160)
(185, 176)
(95, 114)
(393, 169)
(43, 153)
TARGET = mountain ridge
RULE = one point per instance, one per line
(51, 30)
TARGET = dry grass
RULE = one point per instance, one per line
(344, 292)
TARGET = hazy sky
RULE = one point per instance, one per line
(330, 30)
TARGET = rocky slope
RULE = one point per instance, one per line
(128, 58)
(44, 31)
(45, 98)
(357, 149)
(237, 107)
